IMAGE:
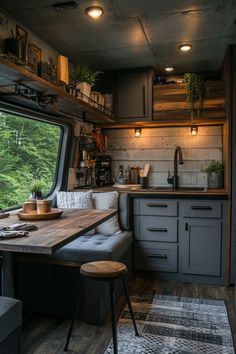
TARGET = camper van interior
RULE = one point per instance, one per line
(117, 176)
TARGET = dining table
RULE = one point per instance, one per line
(51, 234)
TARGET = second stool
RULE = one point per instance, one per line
(105, 271)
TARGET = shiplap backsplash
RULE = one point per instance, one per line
(157, 145)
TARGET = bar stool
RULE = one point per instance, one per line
(105, 271)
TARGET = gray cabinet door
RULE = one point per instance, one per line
(200, 245)
(134, 95)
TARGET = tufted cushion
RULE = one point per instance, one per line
(105, 201)
(96, 247)
(10, 316)
(80, 200)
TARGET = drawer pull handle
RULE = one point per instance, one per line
(162, 256)
(159, 229)
(157, 205)
(201, 207)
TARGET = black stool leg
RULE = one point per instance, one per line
(130, 306)
(75, 313)
(113, 317)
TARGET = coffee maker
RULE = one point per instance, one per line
(103, 170)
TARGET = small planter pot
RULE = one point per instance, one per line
(29, 207)
(214, 180)
(44, 206)
(85, 89)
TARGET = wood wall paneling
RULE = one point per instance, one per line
(156, 146)
(169, 101)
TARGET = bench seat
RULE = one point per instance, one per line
(95, 247)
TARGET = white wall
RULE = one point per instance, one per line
(157, 145)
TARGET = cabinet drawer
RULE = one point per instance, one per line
(154, 228)
(201, 209)
(158, 207)
(156, 256)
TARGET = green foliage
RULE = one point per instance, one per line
(37, 186)
(82, 73)
(195, 90)
(216, 167)
(25, 156)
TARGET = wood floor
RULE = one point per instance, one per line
(46, 334)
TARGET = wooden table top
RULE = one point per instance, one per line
(53, 234)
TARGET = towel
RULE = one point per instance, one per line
(12, 234)
(25, 226)
(16, 230)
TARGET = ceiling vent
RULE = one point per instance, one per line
(64, 6)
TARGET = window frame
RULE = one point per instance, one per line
(65, 144)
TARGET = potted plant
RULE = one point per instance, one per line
(195, 93)
(215, 172)
(36, 189)
(83, 78)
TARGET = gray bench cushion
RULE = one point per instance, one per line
(10, 316)
(95, 247)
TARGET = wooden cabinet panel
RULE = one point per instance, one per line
(169, 101)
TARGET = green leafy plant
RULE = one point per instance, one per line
(37, 186)
(216, 167)
(82, 73)
(195, 91)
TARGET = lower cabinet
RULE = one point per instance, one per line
(184, 241)
(201, 245)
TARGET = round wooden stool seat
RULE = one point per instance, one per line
(103, 269)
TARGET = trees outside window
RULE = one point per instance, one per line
(29, 150)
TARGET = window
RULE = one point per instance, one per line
(29, 150)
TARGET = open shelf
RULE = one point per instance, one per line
(65, 103)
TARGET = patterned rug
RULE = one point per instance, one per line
(174, 325)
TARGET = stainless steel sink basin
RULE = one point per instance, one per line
(180, 189)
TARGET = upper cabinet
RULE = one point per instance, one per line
(134, 95)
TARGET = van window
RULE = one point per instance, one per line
(29, 151)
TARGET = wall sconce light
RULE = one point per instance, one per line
(137, 132)
(194, 130)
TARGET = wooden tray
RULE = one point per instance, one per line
(53, 214)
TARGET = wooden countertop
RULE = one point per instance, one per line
(164, 193)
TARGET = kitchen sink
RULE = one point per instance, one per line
(180, 189)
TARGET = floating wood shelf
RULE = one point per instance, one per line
(66, 104)
(169, 102)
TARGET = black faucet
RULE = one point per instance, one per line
(175, 178)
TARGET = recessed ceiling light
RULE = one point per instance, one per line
(94, 11)
(185, 47)
(63, 6)
(169, 68)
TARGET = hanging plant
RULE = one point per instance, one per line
(195, 92)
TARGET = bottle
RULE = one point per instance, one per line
(121, 177)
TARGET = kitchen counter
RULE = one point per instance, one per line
(165, 192)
